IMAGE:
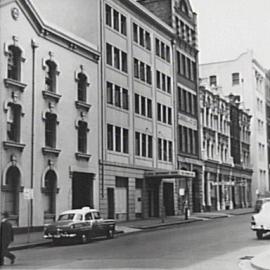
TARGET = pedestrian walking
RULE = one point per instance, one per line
(6, 237)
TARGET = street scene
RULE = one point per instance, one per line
(134, 134)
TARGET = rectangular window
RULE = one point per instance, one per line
(136, 68)
(143, 106)
(179, 64)
(158, 79)
(213, 80)
(188, 68)
(116, 20)
(148, 75)
(116, 58)
(169, 116)
(162, 50)
(143, 145)
(170, 152)
(117, 96)
(82, 137)
(125, 98)
(109, 93)
(183, 65)
(147, 41)
(157, 47)
(164, 150)
(159, 112)
(169, 85)
(108, 15)
(137, 143)
(142, 71)
(168, 54)
(118, 139)
(141, 37)
(124, 62)
(150, 146)
(163, 82)
(109, 54)
(164, 110)
(110, 137)
(125, 140)
(149, 108)
(135, 32)
(137, 103)
(160, 149)
(235, 78)
(123, 25)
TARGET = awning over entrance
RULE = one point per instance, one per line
(169, 174)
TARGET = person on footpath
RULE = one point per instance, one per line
(6, 237)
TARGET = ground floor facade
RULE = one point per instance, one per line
(226, 187)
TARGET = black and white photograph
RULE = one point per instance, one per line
(135, 134)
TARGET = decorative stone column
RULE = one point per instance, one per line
(217, 192)
(208, 199)
(223, 207)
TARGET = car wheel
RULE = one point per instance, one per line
(259, 234)
(84, 238)
(110, 234)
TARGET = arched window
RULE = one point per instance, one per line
(50, 79)
(14, 122)
(50, 185)
(82, 85)
(183, 7)
(12, 191)
(82, 136)
(14, 62)
(50, 130)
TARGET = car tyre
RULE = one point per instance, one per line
(84, 238)
(259, 235)
(110, 234)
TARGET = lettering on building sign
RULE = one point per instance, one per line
(187, 121)
(186, 173)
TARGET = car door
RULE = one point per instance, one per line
(89, 223)
(98, 223)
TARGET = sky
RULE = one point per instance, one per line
(227, 28)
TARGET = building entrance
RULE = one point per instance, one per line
(82, 190)
(168, 199)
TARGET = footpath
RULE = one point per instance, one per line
(260, 262)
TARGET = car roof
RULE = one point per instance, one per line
(79, 211)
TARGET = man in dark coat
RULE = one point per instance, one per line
(6, 237)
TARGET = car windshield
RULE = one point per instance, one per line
(66, 217)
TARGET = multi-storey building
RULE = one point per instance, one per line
(142, 125)
(180, 16)
(49, 85)
(225, 147)
(245, 77)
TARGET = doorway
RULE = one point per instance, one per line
(168, 199)
(82, 190)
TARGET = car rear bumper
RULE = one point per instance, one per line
(259, 228)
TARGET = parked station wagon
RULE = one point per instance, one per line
(81, 224)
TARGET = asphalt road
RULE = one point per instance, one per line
(225, 243)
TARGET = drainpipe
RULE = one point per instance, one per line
(34, 46)
(102, 99)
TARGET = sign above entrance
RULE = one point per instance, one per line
(170, 174)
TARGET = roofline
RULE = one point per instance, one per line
(57, 35)
(148, 15)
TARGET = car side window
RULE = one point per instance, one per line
(88, 216)
(96, 215)
(79, 217)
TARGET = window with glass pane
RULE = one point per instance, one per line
(82, 137)
(50, 130)
(124, 62)
(125, 140)
(118, 139)
(116, 58)
(117, 96)
(159, 112)
(116, 20)
(136, 68)
(137, 103)
(147, 40)
(109, 54)
(50, 78)
(14, 122)
(143, 106)
(125, 98)
(141, 32)
(148, 74)
(123, 25)
(165, 150)
(109, 93)
(14, 63)
(137, 143)
(160, 149)
(135, 32)
(150, 146)
(82, 85)
(142, 71)
(143, 145)
(149, 108)
(110, 137)
(157, 47)
(108, 15)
